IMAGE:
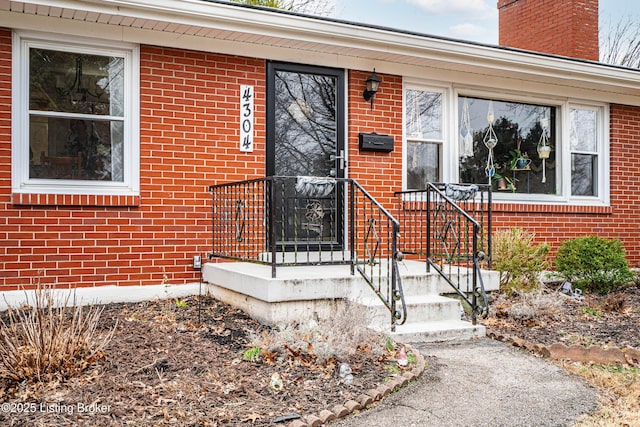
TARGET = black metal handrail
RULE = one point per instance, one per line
(376, 251)
(450, 226)
(293, 221)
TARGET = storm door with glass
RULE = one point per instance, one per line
(305, 146)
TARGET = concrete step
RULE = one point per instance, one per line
(420, 309)
(298, 293)
(417, 281)
(424, 308)
(445, 330)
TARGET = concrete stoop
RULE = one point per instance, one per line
(306, 292)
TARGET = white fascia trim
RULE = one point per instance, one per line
(337, 33)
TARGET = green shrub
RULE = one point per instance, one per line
(518, 260)
(594, 264)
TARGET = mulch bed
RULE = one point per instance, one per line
(169, 364)
(551, 319)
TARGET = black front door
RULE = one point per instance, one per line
(305, 141)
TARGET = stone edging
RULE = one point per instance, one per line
(365, 399)
(575, 352)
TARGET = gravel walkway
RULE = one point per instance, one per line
(482, 383)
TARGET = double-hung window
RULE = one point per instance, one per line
(75, 110)
(424, 137)
(585, 149)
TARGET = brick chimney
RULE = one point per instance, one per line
(559, 27)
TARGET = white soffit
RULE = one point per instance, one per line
(282, 36)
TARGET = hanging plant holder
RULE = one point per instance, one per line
(466, 133)
(490, 140)
(544, 152)
(543, 148)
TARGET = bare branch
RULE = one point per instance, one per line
(620, 42)
(310, 7)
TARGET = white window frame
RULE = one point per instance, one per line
(602, 152)
(563, 170)
(443, 150)
(21, 183)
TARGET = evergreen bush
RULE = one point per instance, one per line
(594, 264)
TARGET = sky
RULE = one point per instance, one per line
(469, 20)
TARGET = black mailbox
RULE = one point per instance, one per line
(374, 142)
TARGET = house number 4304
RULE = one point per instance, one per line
(246, 118)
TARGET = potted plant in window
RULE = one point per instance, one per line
(504, 183)
(519, 160)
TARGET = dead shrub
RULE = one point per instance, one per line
(340, 338)
(529, 306)
(49, 340)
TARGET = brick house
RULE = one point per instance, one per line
(116, 116)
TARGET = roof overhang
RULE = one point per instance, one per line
(222, 27)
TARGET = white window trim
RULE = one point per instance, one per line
(602, 151)
(445, 152)
(21, 183)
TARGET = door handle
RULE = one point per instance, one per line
(342, 161)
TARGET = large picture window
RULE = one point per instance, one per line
(511, 145)
(76, 118)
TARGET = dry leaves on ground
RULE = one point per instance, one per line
(611, 320)
(180, 363)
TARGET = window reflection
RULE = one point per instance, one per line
(66, 89)
(583, 175)
(423, 130)
(518, 128)
(63, 148)
(583, 137)
(423, 164)
(306, 125)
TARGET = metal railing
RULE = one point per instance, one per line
(293, 221)
(449, 226)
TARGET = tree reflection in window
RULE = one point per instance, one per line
(306, 125)
(423, 130)
(516, 125)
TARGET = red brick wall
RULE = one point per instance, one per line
(560, 27)
(189, 140)
(378, 172)
(189, 115)
(555, 224)
(9, 220)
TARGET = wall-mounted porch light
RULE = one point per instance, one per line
(373, 83)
